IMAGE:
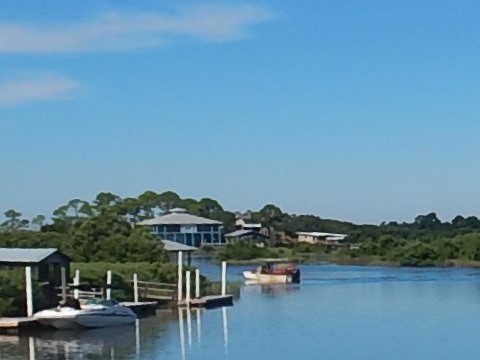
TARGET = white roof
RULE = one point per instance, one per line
(328, 236)
(17, 255)
(179, 219)
(175, 246)
(252, 225)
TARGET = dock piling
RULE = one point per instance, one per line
(224, 278)
(135, 288)
(187, 295)
(28, 283)
(180, 279)
(63, 272)
(197, 283)
(76, 282)
(109, 282)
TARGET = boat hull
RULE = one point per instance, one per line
(259, 278)
(86, 319)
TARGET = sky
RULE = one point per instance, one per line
(356, 110)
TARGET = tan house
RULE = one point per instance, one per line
(327, 239)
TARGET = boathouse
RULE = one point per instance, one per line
(187, 229)
(46, 263)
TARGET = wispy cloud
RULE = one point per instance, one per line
(46, 88)
(124, 31)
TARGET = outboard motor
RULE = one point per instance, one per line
(296, 277)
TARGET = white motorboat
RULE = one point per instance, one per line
(275, 271)
(93, 313)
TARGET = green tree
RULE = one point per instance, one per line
(13, 220)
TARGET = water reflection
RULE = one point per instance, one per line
(70, 345)
(187, 313)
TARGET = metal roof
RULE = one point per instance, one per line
(328, 236)
(179, 219)
(17, 255)
(243, 232)
(175, 246)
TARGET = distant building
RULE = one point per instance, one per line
(327, 239)
(246, 235)
(241, 224)
(186, 229)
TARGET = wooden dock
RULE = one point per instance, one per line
(210, 301)
(142, 308)
(18, 324)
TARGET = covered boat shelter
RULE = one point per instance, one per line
(46, 266)
(46, 263)
(173, 248)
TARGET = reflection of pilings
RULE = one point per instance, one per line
(199, 325)
(225, 329)
(182, 333)
(189, 326)
(137, 337)
(31, 348)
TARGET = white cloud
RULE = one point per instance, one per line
(123, 31)
(50, 88)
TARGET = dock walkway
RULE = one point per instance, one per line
(210, 301)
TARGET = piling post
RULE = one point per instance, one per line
(135, 288)
(76, 282)
(63, 273)
(187, 295)
(224, 278)
(197, 283)
(28, 283)
(109, 282)
(180, 279)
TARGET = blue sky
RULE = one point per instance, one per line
(354, 110)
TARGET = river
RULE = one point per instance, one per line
(337, 312)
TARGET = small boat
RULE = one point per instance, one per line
(93, 313)
(274, 271)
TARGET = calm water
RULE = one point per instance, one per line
(337, 312)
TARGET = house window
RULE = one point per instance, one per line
(172, 228)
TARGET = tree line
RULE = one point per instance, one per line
(102, 230)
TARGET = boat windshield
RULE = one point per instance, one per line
(100, 302)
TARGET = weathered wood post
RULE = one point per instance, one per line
(135, 288)
(63, 274)
(180, 279)
(187, 291)
(197, 283)
(224, 277)
(109, 283)
(76, 282)
(28, 283)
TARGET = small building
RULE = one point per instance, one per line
(246, 235)
(241, 224)
(322, 238)
(173, 248)
(46, 263)
(187, 229)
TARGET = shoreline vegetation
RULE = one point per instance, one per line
(103, 231)
(335, 257)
